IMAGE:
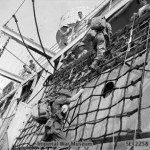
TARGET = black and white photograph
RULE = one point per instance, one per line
(74, 75)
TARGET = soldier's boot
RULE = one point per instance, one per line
(98, 65)
(48, 130)
(93, 67)
(47, 134)
(103, 65)
(45, 137)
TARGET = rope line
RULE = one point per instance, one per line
(128, 75)
(39, 35)
(26, 45)
(15, 12)
(17, 58)
(141, 88)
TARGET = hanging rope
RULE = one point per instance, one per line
(15, 13)
(127, 51)
(17, 57)
(20, 60)
(26, 45)
(129, 43)
(40, 37)
(142, 78)
(13, 112)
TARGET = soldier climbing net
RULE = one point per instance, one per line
(111, 108)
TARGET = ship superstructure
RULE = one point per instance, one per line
(114, 107)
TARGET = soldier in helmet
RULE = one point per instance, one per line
(25, 72)
(68, 59)
(32, 66)
(81, 49)
(145, 7)
(65, 62)
(61, 103)
(99, 38)
(66, 31)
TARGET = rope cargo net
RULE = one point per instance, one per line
(109, 110)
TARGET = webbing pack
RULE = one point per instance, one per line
(98, 23)
(41, 112)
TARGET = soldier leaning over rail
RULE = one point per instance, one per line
(66, 31)
(73, 54)
(145, 8)
(81, 24)
(81, 49)
(25, 72)
(52, 114)
(99, 37)
(32, 66)
(68, 59)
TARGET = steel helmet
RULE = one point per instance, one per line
(66, 25)
(81, 44)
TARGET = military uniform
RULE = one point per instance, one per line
(100, 38)
(145, 8)
(54, 125)
(81, 52)
(25, 72)
(68, 59)
(32, 66)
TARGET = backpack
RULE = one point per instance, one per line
(98, 23)
(41, 112)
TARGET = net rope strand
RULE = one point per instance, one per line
(15, 13)
(36, 24)
(110, 105)
(138, 127)
(99, 103)
(133, 60)
(90, 99)
(128, 75)
(17, 58)
(107, 120)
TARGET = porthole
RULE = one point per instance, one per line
(108, 88)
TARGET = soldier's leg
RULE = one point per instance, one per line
(57, 131)
(58, 136)
(89, 38)
(53, 131)
(55, 136)
(48, 130)
(101, 48)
